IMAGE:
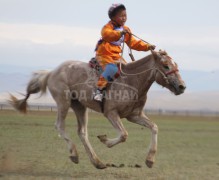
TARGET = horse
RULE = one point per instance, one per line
(72, 85)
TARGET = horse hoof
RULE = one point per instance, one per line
(74, 159)
(102, 138)
(101, 166)
(149, 163)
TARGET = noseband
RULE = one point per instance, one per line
(172, 72)
(165, 75)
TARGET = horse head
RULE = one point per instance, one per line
(167, 74)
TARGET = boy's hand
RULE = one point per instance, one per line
(151, 47)
(124, 32)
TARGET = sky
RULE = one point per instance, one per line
(44, 33)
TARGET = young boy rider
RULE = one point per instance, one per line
(108, 48)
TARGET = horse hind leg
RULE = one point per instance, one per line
(62, 110)
(82, 118)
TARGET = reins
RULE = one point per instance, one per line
(133, 59)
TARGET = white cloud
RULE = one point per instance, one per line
(48, 34)
(193, 48)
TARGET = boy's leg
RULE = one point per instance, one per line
(108, 75)
(101, 85)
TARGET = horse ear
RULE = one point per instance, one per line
(162, 52)
(156, 54)
(153, 52)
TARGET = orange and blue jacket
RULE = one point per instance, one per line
(108, 48)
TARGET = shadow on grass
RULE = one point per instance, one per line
(52, 175)
(9, 167)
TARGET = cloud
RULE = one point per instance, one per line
(48, 34)
(38, 44)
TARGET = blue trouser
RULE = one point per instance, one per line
(110, 71)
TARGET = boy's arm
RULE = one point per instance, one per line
(134, 43)
(110, 35)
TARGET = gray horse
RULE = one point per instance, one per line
(72, 85)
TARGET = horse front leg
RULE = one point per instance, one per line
(146, 122)
(115, 120)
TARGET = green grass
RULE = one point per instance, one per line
(188, 148)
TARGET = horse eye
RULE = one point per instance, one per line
(166, 67)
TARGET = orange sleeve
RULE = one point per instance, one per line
(134, 43)
(110, 35)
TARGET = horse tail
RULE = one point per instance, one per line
(38, 83)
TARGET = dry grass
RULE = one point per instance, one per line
(31, 149)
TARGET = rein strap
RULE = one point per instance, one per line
(172, 72)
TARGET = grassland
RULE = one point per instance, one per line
(188, 148)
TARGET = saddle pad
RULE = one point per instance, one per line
(93, 63)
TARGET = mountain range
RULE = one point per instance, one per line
(202, 91)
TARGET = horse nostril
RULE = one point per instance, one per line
(182, 87)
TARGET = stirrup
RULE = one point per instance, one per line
(98, 95)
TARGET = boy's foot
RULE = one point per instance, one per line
(98, 96)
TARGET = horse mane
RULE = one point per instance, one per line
(138, 63)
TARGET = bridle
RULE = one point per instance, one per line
(172, 72)
(164, 74)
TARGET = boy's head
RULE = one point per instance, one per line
(117, 13)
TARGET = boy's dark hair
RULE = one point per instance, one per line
(114, 9)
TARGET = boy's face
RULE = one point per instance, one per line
(120, 18)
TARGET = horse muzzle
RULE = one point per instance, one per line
(179, 89)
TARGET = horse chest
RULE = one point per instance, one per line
(129, 108)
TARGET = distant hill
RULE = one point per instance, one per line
(157, 100)
(191, 101)
(195, 80)
(201, 80)
(202, 91)
(13, 82)
(25, 70)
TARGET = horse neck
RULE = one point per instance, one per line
(144, 70)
